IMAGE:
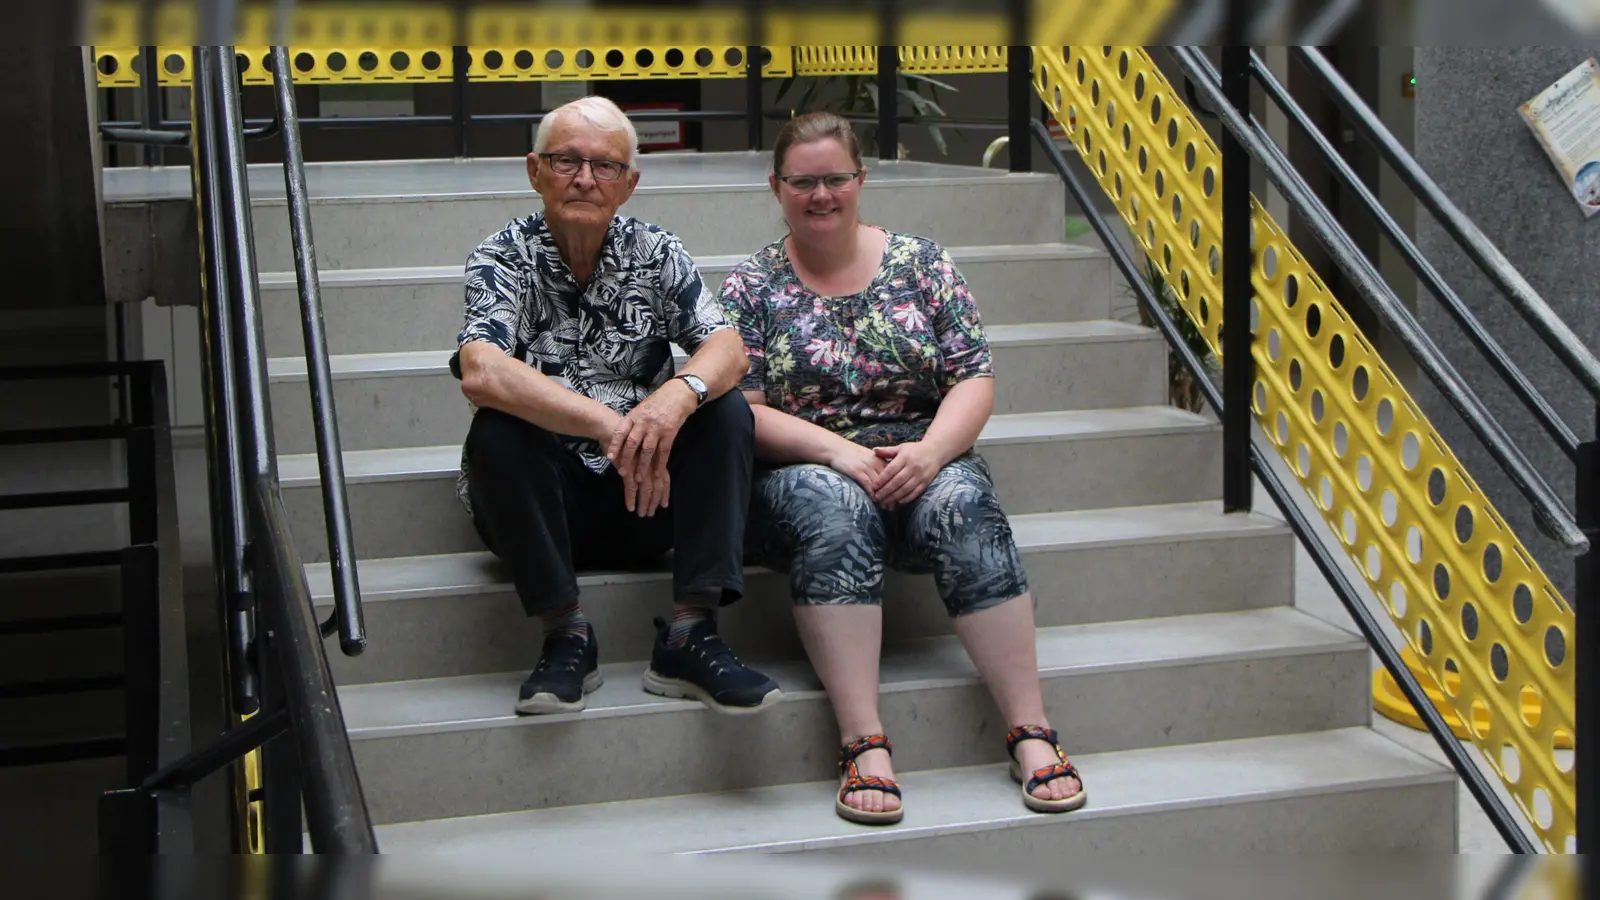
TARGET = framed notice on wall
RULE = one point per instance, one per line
(1565, 117)
(658, 135)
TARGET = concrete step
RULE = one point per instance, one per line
(385, 310)
(457, 614)
(1345, 790)
(435, 212)
(411, 400)
(402, 501)
(453, 747)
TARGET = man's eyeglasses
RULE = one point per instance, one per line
(603, 169)
(805, 184)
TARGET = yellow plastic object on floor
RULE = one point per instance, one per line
(1390, 703)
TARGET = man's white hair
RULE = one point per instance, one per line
(597, 111)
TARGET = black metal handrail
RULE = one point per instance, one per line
(1319, 550)
(1501, 362)
(1549, 510)
(330, 460)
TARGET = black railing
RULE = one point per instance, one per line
(280, 683)
(147, 576)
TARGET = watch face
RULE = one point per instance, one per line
(695, 382)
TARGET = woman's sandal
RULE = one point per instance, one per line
(1062, 769)
(855, 781)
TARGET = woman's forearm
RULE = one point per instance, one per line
(782, 438)
(961, 417)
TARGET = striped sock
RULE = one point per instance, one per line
(685, 617)
(567, 620)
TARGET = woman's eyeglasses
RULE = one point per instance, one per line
(805, 184)
(603, 169)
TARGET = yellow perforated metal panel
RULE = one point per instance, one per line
(928, 60)
(1491, 630)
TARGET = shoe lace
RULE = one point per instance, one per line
(714, 653)
(561, 652)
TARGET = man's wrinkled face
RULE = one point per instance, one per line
(583, 197)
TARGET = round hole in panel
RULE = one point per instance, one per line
(1057, 90)
(1319, 407)
(1510, 763)
(1166, 256)
(644, 58)
(1531, 703)
(1172, 132)
(1177, 208)
(1155, 110)
(1139, 86)
(1274, 345)
(1336, 351)
(1397, 600)
(1359, 384)
(1469, 612)
(1385, 420)
(1209, 182)
(1083, 72)
(1261, 396)
(1436, 486)
(673, 58)
(1116, 185)
(614, 58)
(1269, 262)
(1555, 646)
(337, 61)
(1133, 207)
(1103, 166)
(1283, 429)
(1499, 662)
(1205, 306)
(1389, 507)
(1190, 159)
(492, 60)
(1291, 290)
(1563, 759)
(1341, 439)
(1543, 813)
(1325, 494)
(1111, 112)
(1364, 472)
(1123, 64)
(703, 57)
(1463, 523)
(304, 62)
(1425, 637)
(1150, 233)
(1410, 451)
(1183, 284)
(1522, 604)
(1374, 562)
(1314, 320)
(523, 60)
(1216, 260)
(1351, 532)
(1161, 183)
(1144, 161)
(174, 63)
(1414, 544)
(733, 56)
(1302, 459)
(399, 60)
(1127, 137)
(1194, 234)
(108, 65)
(432, 61)
(1479, 721)
(241, 62)
(1452, 678)
(1492, 562)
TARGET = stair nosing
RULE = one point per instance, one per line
(1317, 638)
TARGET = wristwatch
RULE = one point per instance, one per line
(696, 385)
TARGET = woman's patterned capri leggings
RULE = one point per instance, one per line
(823, 530)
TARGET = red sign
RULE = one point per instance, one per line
(658, 134)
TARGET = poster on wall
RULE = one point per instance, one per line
(658, 134)
(1565, 117)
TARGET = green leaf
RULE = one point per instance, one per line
(938, 140)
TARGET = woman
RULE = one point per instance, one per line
(870, 378)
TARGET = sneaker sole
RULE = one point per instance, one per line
(679, 689)
(547, 703)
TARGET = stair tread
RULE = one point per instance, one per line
(943, 801)
(454, 574)
(470, 702)
(401, 463)
(452, 274)
(431, 362)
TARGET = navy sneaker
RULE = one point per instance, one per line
(705, 669)
(568, 669)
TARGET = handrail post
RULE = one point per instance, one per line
(460, 58)
(888, 75)
(1019, 89)
(753, 101)
(150, 87)
(1586, 587)
(1238, 262)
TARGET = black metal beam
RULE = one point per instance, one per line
(888, 80)
(68, 751)
(59, 562)
(68, 435)
(1587, 676)
(58, 687)
(58, 624)
(232, 745)
(1238, 263)
(53, 499)
(1019, 87)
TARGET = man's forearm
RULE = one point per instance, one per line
(720, 362)
(493, 380)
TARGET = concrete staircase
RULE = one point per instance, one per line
(1205, 711)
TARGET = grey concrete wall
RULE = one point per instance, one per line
(1470, 137)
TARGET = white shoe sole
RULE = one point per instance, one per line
(679, 689)
(547, 703)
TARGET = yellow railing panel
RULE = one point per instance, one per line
(1470, 600)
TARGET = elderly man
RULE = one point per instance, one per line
(586, 448)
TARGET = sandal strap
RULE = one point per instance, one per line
(1051, 773)
(858, 782)
(849, 752)
(1034, 733)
